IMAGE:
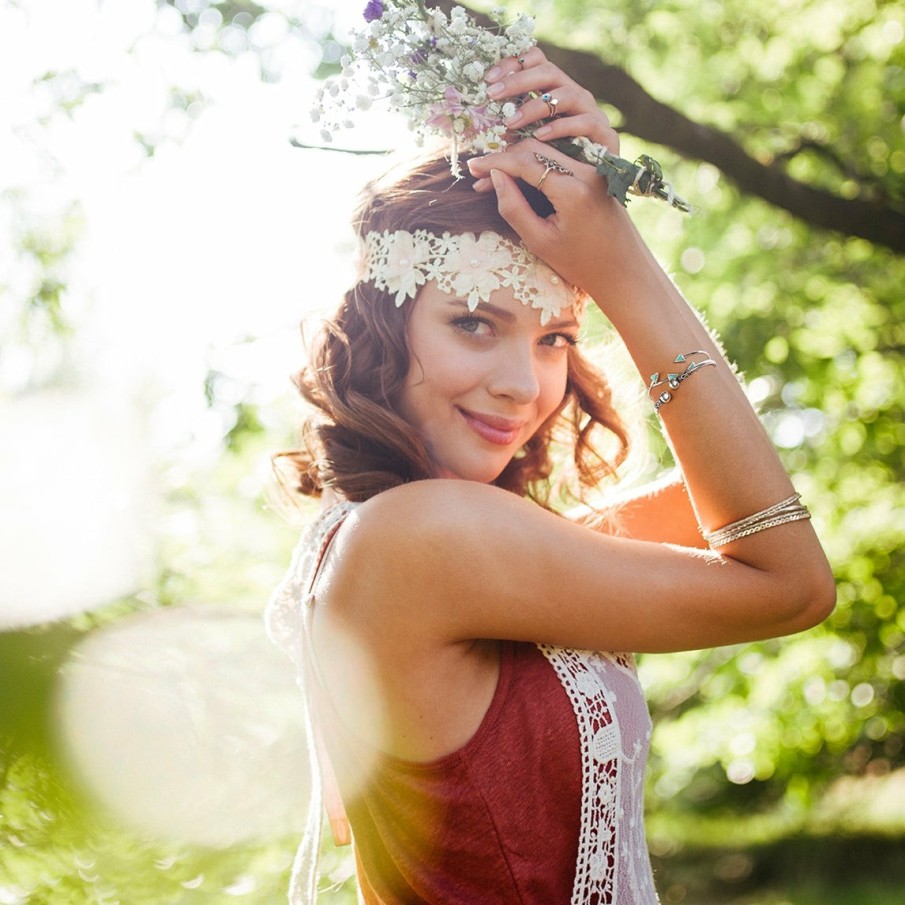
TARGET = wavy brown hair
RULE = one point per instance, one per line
(355, 440)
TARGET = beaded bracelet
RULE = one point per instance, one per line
(788, 510)
(675, 379)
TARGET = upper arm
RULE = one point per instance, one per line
(660, 512)
(452, 560)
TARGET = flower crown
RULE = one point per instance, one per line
(470, 267)
(431, 66)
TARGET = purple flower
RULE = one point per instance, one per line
(374, 10)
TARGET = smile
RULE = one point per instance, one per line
(493, 428)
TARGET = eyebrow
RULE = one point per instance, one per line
(508, 317)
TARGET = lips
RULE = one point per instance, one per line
(493, 428)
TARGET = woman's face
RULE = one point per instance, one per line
(481, 383)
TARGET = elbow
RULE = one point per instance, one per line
(814, 596)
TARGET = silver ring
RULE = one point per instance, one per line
(521, 62)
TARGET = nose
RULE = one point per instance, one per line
(516, 374)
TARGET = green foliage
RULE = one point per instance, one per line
(814, 320)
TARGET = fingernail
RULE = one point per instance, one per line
(493, 75)
(497, 178)
(496, 90)
(481, 185)
(542, 132)
(515, 118)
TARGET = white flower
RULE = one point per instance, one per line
(402, 270)
(474, 72)
(474, 265)
(363, 102)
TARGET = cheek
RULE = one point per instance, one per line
(554, 389)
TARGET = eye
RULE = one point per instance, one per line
(477, 326)
(559, 340)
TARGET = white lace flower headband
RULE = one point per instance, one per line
(401, 262)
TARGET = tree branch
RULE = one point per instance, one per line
(649, 119)
(654, 121)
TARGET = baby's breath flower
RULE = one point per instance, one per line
(473, 71)
(430, 67)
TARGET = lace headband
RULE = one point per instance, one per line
(401, 262)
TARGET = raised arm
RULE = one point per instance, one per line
(453, 561)
(728, 463)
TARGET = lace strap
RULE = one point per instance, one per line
(332, 798)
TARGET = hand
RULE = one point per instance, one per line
(570, 240)
(574, 109)
(588, 240)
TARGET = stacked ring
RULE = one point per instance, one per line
(551, 103)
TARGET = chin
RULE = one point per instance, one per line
(478, 475)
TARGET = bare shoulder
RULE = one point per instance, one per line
(434, 505)
(448, 521)
(419, 545)
(429, 553)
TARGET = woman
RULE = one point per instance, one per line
(482, 754)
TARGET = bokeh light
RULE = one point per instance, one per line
(73, 486)
(185, 724)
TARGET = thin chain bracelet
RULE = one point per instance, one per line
(788, 510)
(674, 379)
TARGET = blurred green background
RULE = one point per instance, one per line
(777, 771)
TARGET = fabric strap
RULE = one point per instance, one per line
(333, 803)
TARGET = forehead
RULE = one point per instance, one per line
(502, 304)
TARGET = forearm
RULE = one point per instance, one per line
(729, 465)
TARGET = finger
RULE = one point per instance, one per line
(534, 163)
(515, 209)
(534, 56)
(564, 101)
(545, 77)
(595, 126)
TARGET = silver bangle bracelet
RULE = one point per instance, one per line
(674, 379)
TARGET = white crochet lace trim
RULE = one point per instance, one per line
(401, 262)
(613, 865)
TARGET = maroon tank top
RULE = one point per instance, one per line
(494, 822)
